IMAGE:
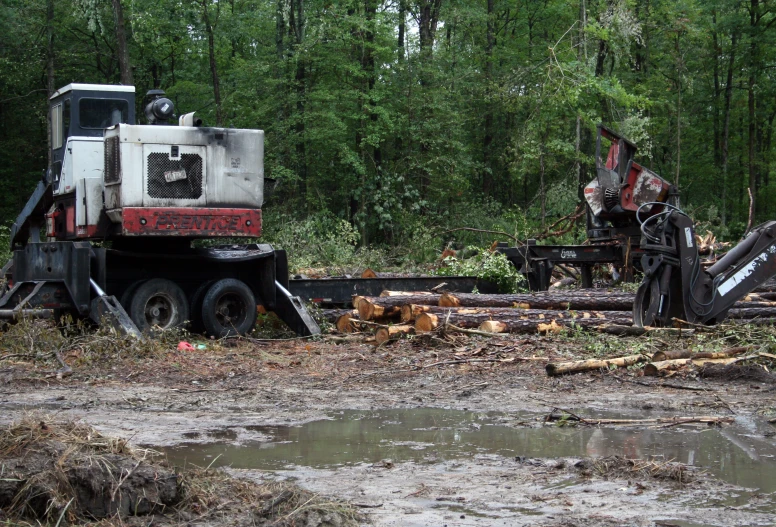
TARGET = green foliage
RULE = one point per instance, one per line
(407, 140)
(491, 266)
(321, 240)
(5, 245)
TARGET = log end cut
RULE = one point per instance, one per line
(449, 300)
(494, 326)
(426, 322)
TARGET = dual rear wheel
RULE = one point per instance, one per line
(220, 308)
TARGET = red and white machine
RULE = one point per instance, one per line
(146, 192)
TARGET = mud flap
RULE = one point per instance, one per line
(106, 309)
(291, 310)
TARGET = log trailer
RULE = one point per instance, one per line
(621, 189)
(108, 231)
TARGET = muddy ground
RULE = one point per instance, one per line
(166, 397)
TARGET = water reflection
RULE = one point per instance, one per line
(428, 435)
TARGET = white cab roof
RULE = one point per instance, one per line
(93, 87)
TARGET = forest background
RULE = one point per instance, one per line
(391, 123)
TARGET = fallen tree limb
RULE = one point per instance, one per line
(634, 331)
(560, 368)
(653, 369)
(660, 356)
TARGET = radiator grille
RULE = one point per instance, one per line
(112, 172)
(190, 187)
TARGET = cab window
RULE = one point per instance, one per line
(102, 113)
(56, 126)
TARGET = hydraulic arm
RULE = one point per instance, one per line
(676, 286)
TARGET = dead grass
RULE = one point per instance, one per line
(621, 467)
(211, 497)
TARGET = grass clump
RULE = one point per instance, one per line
(67, 473)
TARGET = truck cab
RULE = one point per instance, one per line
(80, 113)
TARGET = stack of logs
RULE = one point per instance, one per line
(397, 313)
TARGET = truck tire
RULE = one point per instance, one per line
(228, 308)
(158, 303)
(129, 292)
(196, 306)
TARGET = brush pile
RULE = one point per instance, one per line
(62, 473)
(394, 314)
(68, 473)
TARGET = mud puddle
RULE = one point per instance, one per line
(742, 454)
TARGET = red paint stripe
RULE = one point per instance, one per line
(182, 221)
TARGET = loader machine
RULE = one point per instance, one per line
(107, 234)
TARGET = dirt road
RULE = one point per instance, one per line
(244, 394)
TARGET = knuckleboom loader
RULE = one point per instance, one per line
(676, 287)
(107, 233)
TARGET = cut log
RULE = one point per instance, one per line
(496, 313)
(768, 287)
(612, 302)
(368, 310)
(560, 368)
(605, 301)
(392, 332)
(730, 352)
(371, 307)
(494, 326)
(517, 323)
(739, 311)
(344, 323)
(331, 315)
(386, 293)
(653, 369)
(409, 312)
(660, 356)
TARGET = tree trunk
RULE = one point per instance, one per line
(50, 81)
(300, 81)
(210, 26)
(753, 19)
(726, 126)
(487, 169)
(611, 302)
(121, 40)
(515, 323)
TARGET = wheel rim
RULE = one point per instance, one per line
(230, 310)
(160, 310)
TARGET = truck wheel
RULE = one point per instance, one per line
(159, 303)
(129, 292)
(228, 308)
(196, 306)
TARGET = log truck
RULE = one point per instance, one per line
(108, 231)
